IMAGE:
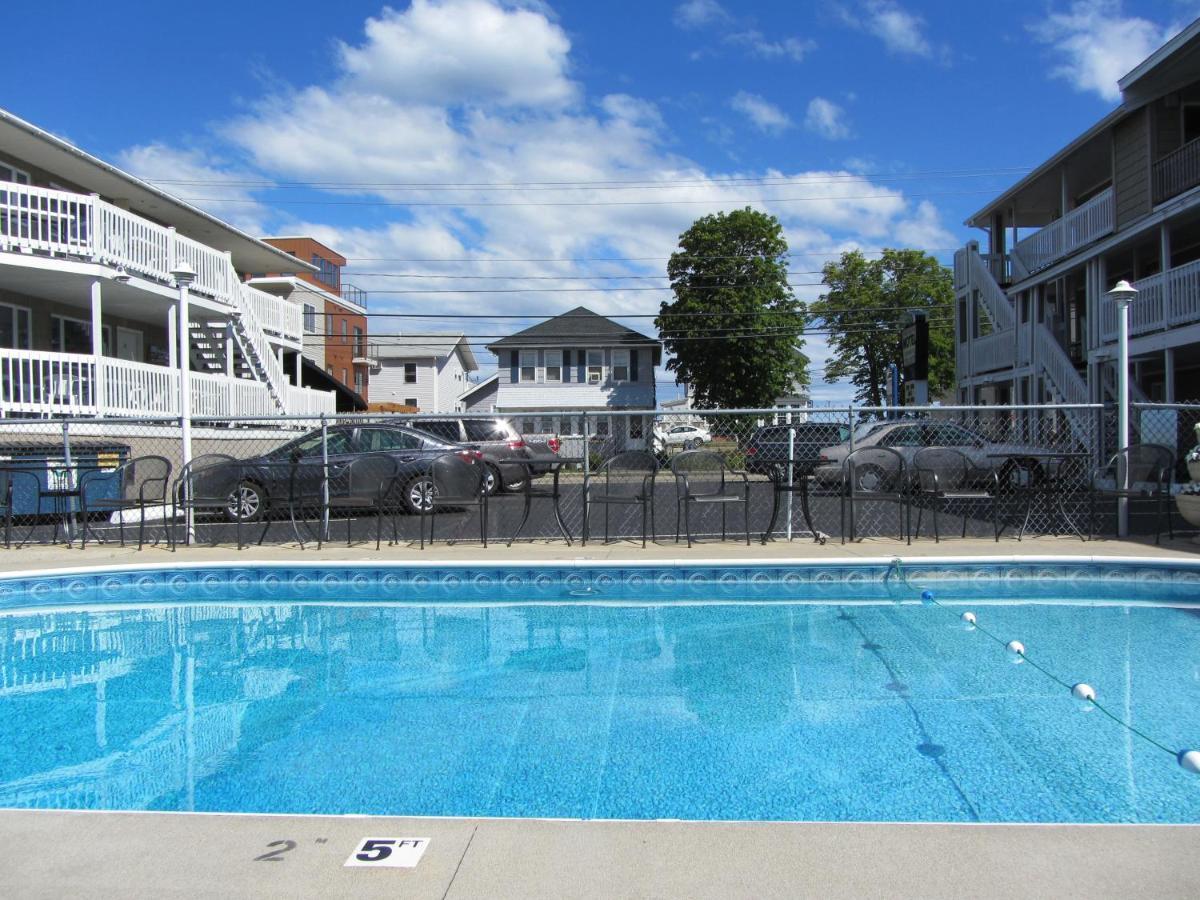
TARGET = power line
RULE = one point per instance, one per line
(434, 275)
(611, 185)
(475, 204)
(655, 315)
(584, 338)
(582, 290)
(554, 259)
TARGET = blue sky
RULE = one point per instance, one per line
(874, 122)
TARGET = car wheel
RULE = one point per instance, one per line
(515, 484)
(691, 444)
(249, 500)
(419, 494)
(870, 477)
(491, 479)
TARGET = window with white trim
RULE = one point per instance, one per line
(620, 365)
(595, 366)
(16, 331)
(310, 317)
(528, 426)
(410, 373)
(603, 426)
(529, 365)
(16, 176)
(554, 366)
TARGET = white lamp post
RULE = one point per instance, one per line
(184, 275)
(1123, 295)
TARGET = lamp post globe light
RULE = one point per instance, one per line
(184, 276)
(1122, 295)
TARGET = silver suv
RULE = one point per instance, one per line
(496, 438)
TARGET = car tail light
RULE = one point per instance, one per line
(470, 456)
(554, 444)
(823, 458)
(750, 451)
(516, 445)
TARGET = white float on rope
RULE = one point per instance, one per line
(1083, 691)
(1016, 648)
(968, 617)
(1190, 761)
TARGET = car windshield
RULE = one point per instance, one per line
(864, 428)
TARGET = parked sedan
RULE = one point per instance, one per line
(907, 436)
(689, 437)
(265, 480)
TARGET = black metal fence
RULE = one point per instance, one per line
(789, 465)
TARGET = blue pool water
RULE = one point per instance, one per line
(815, 699)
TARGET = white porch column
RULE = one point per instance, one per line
(296, 369)
(437, 405)
(184, 275)
(98, 348)
(1169, 375)
(173, 338)
(1164, 263)
(229, 351)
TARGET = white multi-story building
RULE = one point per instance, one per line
(1120, 201)
(428, 372)
(89, 307)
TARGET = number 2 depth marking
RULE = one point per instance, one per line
(276, 855)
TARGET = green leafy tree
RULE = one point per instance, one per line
(864, 308)
(733, 330)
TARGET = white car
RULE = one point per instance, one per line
(689, 437)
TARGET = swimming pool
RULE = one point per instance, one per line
(766, 692)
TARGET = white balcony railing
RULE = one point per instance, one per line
(993, 352)
(1163, 301)
(1064, 236)
(37, 383)
(40, 220)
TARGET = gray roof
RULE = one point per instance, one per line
(577, 328)
(423, 346)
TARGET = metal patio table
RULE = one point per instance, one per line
(1051, 463)
(781, 489)
(556, 464)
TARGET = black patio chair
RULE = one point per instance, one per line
(367, 482)
(207, 484)
(626, 479)
(703, 477)
(943, 475)
(874, 474)
(454, 482)
(16, 486)
(141, 483)
(1150, 470)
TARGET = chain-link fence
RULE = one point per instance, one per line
(844, 474)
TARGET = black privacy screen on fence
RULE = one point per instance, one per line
(839, 474)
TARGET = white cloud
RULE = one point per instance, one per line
(194, 174)
(699, 13)
(462, 51)
(760, 45)
(826, 118)
(359, 126)
(1098, 44)
(901, 31)
(764, 115)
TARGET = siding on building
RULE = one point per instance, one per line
(482, 400)
(1131, 167)
(438, 385)
(574, 392)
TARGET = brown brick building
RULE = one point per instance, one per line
(340, 329)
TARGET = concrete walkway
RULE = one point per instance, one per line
(43, 557)
(57, 854)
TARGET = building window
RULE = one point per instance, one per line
(554, 365)
(328, 273)
(595, 366)
(310, 317)
(360, 346)
(410, 373)
(16, 176)
(635, 427)
(603, 427)
(69, 335)
(360, 381)
(345, 332)
(1190, 120)
(411, 401)
(345, 376)
(529, 365)
(528, 426)
(620, 365)
(15, 330)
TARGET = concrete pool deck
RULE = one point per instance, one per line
(85, 854)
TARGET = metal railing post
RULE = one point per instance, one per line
(324, 477)
(69, 482)
(587, 447)
(790, 471)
